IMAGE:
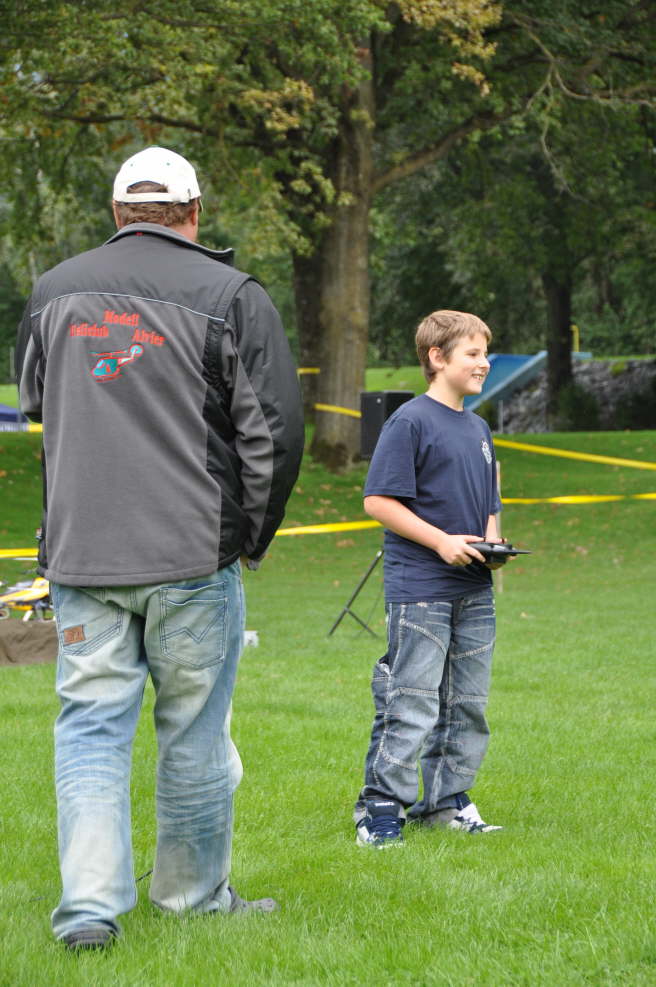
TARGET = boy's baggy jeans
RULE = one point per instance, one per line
(430, 692)
(188, 635)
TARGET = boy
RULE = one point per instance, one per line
(432, 484)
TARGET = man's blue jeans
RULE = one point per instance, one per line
(188, 636)
(430, 692)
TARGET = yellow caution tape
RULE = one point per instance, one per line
(338, 410)
(326, 529)
(569, 499)
(568, 454)
(523, 446)
(21, 427)
(308, 370)
(321, 529)
(502, 443)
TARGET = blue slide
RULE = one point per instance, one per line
(508, 372)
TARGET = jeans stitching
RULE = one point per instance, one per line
(407, 691)
(445, 713)
(394, 760)
(96, 642)
(218, 592)
(425, 633)
(391, 655)
(475, 651)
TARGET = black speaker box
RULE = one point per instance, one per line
(375, 408)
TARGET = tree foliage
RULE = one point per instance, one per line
(276, 102)
(251, 90)
(302, 116)
(480, 229)
(549, 218)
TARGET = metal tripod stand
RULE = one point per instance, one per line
(347, 606)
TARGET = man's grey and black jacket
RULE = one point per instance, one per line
(172, 415)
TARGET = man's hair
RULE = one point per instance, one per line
(163, 213)
(444, 329)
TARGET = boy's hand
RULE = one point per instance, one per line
(459, 549)
(497, 565)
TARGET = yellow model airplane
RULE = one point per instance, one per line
(32, 597)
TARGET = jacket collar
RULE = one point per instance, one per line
(154, 229)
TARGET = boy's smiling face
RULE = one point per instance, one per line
(462, 373)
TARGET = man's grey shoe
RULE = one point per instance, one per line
(467, 820)
(91, 937)
(238, 904)
(381, 825)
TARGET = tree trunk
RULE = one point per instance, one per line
(558, 294)
(342, 289)
(307, 279)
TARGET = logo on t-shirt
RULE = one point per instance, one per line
(485, 449)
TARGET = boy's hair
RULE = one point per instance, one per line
(444, 329)
(162, 213)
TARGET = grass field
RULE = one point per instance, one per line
(562, 897)
(9, 395)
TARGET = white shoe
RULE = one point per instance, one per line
(468, 820)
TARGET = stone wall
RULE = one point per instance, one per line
(612, 382)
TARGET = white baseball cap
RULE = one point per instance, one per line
(157, 164)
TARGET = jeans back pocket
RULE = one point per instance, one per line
(193, 625)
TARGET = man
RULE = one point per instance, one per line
(173, 434)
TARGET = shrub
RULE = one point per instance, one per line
(490, 413)
(639, 409)
(577, 411)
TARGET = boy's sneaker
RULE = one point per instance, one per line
(89, 937)
(382, 824)
(467, 820)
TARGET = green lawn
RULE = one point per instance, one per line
(561, 897)
(396, 379)
(9, 395)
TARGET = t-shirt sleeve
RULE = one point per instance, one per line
(392, 469)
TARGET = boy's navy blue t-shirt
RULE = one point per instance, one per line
(440, 463)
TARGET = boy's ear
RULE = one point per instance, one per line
(435, 358)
